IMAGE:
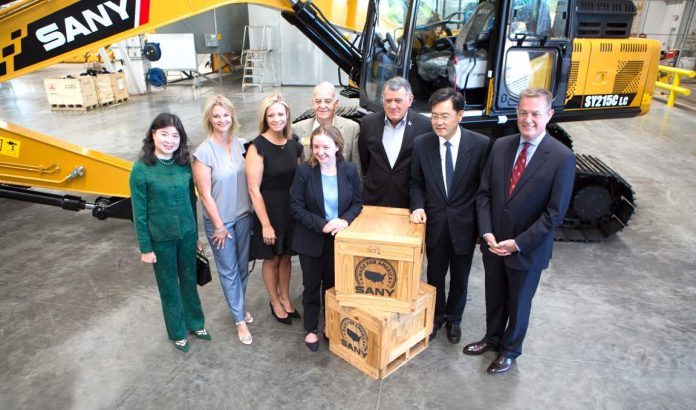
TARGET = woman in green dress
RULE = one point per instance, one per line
(164, 214)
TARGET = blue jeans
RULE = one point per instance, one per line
(232, 262)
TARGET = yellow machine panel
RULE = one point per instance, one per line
(38, 33)
(31, 159)
(608, 73)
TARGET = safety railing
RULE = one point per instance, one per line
(674, 88)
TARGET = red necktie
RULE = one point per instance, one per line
(518, 169)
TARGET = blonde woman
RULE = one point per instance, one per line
(220, 173)
(271, 162)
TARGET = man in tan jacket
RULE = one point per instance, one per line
(324, 104)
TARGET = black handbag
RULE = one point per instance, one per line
(203, 275)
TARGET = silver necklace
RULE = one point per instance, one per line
(166, 162)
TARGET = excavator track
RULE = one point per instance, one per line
(601, 205)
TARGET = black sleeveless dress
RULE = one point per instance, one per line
(279, 164)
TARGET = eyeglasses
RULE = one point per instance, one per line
(443, 117)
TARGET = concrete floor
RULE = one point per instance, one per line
(613, 324)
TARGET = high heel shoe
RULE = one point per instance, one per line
(294, 314)
(246, 339)
(284, 320)
(313, 346)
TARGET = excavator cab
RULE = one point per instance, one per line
(489, 50)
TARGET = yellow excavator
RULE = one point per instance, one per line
(577, 49)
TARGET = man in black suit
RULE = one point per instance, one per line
(445, 174)
(524, 194)
(385, 143)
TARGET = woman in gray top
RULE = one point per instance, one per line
(220, 174)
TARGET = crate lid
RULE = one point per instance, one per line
(384, 316)
(384, 224)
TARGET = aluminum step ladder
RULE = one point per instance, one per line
(257, 57)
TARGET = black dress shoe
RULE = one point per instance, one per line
(432, 335)
(284, 320)
(501, 364)
(294, 314)
(480, 347)
(436, 327)
(454, 333)
(313, 346)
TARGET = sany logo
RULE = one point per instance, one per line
(51, 37)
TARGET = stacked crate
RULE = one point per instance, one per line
(379, 315)
(86, 92)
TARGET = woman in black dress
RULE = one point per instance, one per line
(270, 166)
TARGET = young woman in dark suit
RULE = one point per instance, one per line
(325, 199)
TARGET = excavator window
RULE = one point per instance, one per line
(538, 18)
(529, 68)
(452, 50)
(381, 61)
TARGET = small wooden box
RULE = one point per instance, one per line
(379, 342)
(71, 93)
(379, 259)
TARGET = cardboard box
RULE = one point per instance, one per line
(379, 342)
(379, 260)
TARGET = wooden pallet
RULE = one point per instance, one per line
(73, 107)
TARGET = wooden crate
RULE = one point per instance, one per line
(71, 93)
(114, 85)
(379, 342)
(379, 259)
(119, 86)
(105, 92)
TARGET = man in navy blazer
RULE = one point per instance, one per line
(445, 173)
(523, 197)
(385, 143)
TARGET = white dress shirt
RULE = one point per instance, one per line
(392, 137)
(454, 149)
(531, 149)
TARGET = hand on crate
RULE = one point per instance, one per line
(418, 216)
(335, 226)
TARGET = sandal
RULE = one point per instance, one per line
(182, 345)
(248, 318)
(203, 334)
(245, 339)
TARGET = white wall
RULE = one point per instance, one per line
(660, 20)
(297, 60)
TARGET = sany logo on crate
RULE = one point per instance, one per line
(354, 337)
(374, 276)
(77, 25)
